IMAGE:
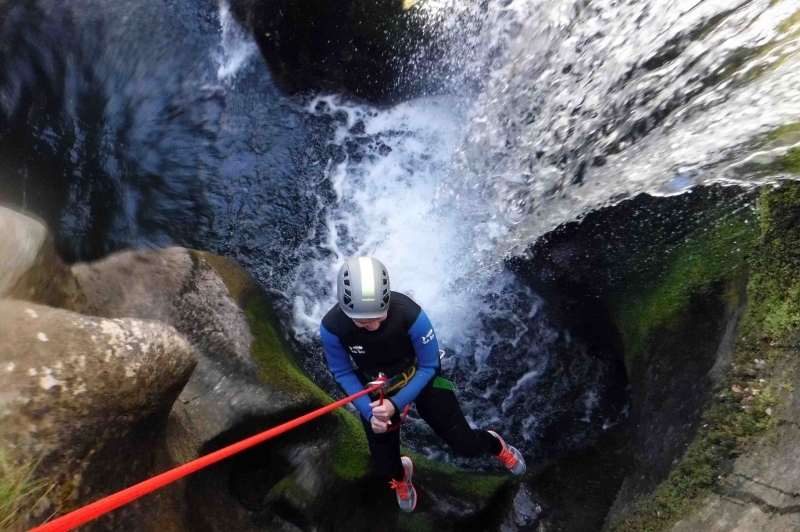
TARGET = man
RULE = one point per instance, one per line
(373, 330)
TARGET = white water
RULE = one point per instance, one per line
(237, 47)
(387, 206)
(574, 87)
(469, 180)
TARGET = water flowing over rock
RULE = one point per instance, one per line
(147, 124)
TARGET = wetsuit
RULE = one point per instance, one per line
(405, 338)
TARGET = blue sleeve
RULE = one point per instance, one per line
(427, 348)
(342, 369)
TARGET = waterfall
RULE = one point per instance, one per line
(157, 123)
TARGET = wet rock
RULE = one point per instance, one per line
(360, 46)
(229, 397)
(88, 398)
(524, 514)
(30, 269)
(619, 280)
(762, 492)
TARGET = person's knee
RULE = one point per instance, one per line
(464, 443)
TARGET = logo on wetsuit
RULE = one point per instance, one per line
(356, 350)
(428, 337)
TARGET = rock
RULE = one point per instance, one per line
(181, 288)
(524, 514)
(175, 287)
(30, 268)
(364, 47)
(661, 292)
(88, 398)
(721, 514)
(229, 396)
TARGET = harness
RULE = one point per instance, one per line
(398, 381)
(395, 383)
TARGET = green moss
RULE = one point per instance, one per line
(649, 303)
(351, 458)
(745, 405)
(784, 130)
(19, 490)
(467, 484)
(774, 292)
(278, 367)
(789, 163)
(275, 362)
(288, 485)
(416, 523)
(787, 24)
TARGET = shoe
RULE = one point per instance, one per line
(406, 494)
(510, 456)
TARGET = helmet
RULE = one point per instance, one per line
(363, 288)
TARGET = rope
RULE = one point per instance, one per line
(115, 500)
(383, 380)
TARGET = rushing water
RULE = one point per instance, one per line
(147, 123)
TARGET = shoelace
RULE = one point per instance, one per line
(401, 487)
(507, 457)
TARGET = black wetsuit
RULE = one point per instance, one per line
(404, 338)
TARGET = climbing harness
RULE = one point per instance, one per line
(115, 500)
(386, 385)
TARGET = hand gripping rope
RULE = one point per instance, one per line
(107, 504)
(387, 384)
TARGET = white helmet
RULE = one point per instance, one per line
(363, 288)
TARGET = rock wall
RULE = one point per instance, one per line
(657, 284)
(371, 49)
(698, 294)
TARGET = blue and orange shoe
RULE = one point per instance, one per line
(510, 456)
(406, 494)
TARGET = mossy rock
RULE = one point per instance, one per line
(279, 368)
(747, 401)
(350, 460)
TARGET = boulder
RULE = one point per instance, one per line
(87, 398)
(30, 268)
(663, 293)
(373, 49)
(180, 288)
(245, 381)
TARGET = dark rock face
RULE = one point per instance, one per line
(367, 48)
(602, 277)
(117, 132)
(87, 88)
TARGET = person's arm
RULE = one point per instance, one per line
(342, 369)
(427, 348)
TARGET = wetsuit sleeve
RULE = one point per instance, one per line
(427, 348)
(342, 369)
